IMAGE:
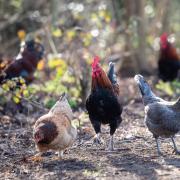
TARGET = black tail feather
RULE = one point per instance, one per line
(111, 73)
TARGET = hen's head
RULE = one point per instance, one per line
(33, 46)
(96, 69)
(38, 135)
(164, 41)
(142, 84)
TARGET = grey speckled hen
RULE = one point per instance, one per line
(161, 117)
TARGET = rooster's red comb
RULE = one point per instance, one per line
(95, 61)
(164, 37)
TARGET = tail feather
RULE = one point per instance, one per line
(113, 78)
(111, 74)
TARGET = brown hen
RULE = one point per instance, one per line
(54, 131)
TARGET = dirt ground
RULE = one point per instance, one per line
(135, 155)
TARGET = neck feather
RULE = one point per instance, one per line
(101, 81)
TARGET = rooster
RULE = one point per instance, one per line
(169, 61)
(54, 131)
(103, 104)
(25, 63)
(161, 117)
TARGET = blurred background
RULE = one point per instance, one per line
(73, 31)
(67, 35)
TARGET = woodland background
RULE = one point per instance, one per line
(72, 32)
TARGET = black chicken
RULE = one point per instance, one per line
(103, 103)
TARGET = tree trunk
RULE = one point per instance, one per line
(141, 50)
(137, 61)
(129, 66)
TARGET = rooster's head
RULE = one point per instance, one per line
(96, 69)
(164, 41)
(33, 46)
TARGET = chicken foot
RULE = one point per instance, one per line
(60, 154)
(38, 157)
(175, 147)
(97, 139)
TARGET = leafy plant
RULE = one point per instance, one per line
(169, 88)
(13, 89)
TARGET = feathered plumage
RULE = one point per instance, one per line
(103, 103)
(161, 117)
(54, 130)
(25, 63)
(169, 61)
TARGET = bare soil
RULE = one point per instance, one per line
(135, 155)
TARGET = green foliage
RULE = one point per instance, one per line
(9, 7)
(53, 87)
(58, 64)
(73, 103)
(16, 88)
(49, 102)
(16, 3)
(59, 81)
(13, 89)
(56, 32)
(169, 88)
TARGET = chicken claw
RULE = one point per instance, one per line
(97, 140)
(176, 151)
(59, 156)
(36, 158)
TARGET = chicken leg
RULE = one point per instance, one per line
(158, 147)
(97, 139)
(111, 143)
(97, 128)
(175, 147)
(60, 154)
(113, 127)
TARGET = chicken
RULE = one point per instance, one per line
(103, 104)
(25, 63)
(169, 61)
(161, 117)
(54, 131)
